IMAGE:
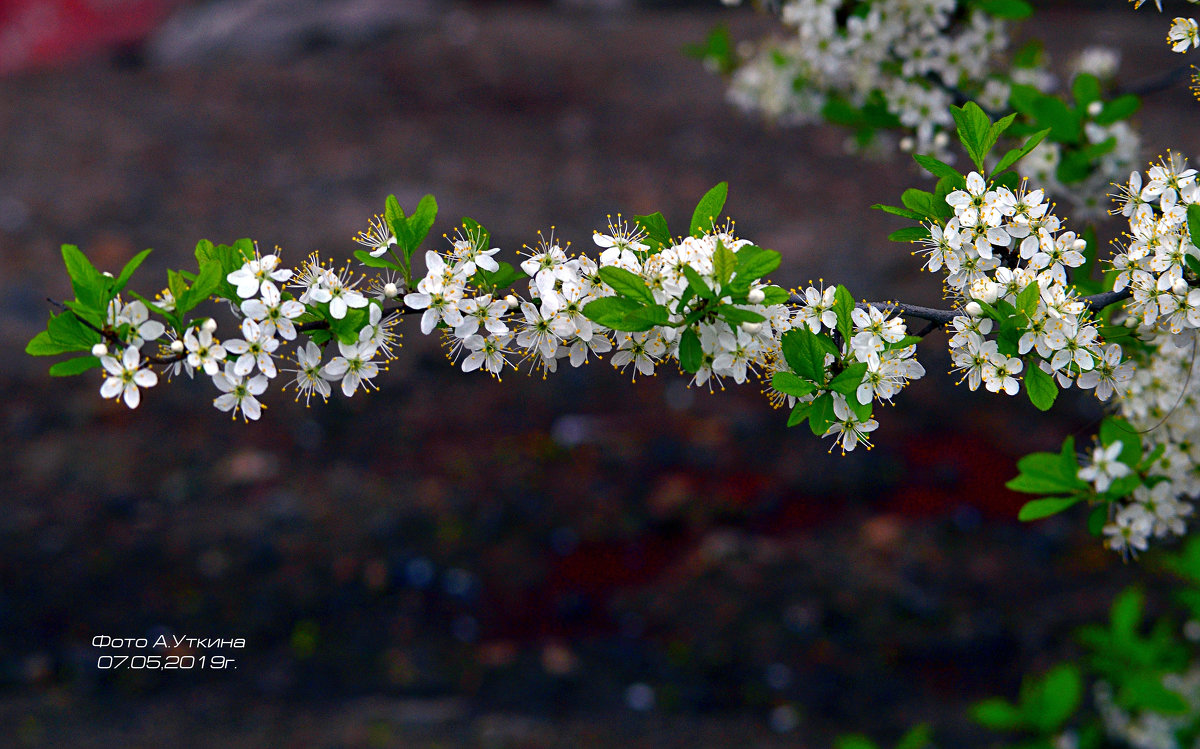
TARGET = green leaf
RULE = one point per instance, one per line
(847, 382)
(909, 234)
(799, 413)
(66, 330)
(91, 288)
(1049, 473)
(755, 262)
(854, 741)
(365, 258)
(1016, 154)
(75, 366)
(610, 311)
(936, 167)
(211, 275)
(399, 225)
(645, 318)
(897, 211)
(1043, 508)
(918, 201)
(1012, 9)
(805, 354)
(1118, 109)
(626, 284)
(996, 130)
(1193, 224)
(128, 270)
(822, 414)
(973, 128)
(737, 315)
(709, 209)
(1065, 124)
(1027, 300)
(997, 714)
(1085, 89)
(419, 224)
(348, 328)
(774, 295)
(697, 284)
(918, 737)
(843, 307)
(1040, 386)
(655, 226)
(43, 345)
(1145, 691)
(1126, 614)
(691, 355)
(1057, 696)
(790, 384)
(724, 264)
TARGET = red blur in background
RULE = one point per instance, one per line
(40, 33)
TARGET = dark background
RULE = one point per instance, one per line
(455, 561)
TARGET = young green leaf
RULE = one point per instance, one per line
(1016, 154)
(847, 382)
(789, 384)
(822, 414)
(1041, 387)
(708, 209)
(1193, 224)
(128, 270)
(936, 167)
(843, 307)
(909, 234)
(610, 311)
(755, 262)
(626, 284)
(78, 365)
(365, 258)
(804, 354)
(419, 224)
(724, 264)
(1043, 508)
(655, 226)
(691, 355)
(973, 128)
(897, 211)
(697, 284)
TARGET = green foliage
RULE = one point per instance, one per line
(1040, 386)
(492, 282)
(656, 230)
(805, 352)
(709, 209)
(977, 132)
(716, 50)
(691, 355)
(1011, 9)
(1193, 224)
(1050, 473)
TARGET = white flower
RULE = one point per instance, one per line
(1184, 33)
(126, 376)
(238, 393)
(1105, 467)
(308, 376)
(338, 290)
(489, 353)
(273, 312)
(354, 367)
(640, 350)
(255, 349)
(253, 272)
(203, 352)
(847, 425)
(137, 317)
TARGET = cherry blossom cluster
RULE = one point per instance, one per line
(896, 48)
(1006, 245)
(1162, 398)
(242, 368)
(910, 61)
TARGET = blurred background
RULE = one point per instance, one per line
(455, 561)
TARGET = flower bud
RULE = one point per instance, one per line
(756, 296)
(907, 144)
(210, 325)
(974, 310)
(106, 273)
(390, 291)
(177, 346)
(1079, 244)
(511, 301)
(1095, 108)
(99, 350)
(751, 327)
